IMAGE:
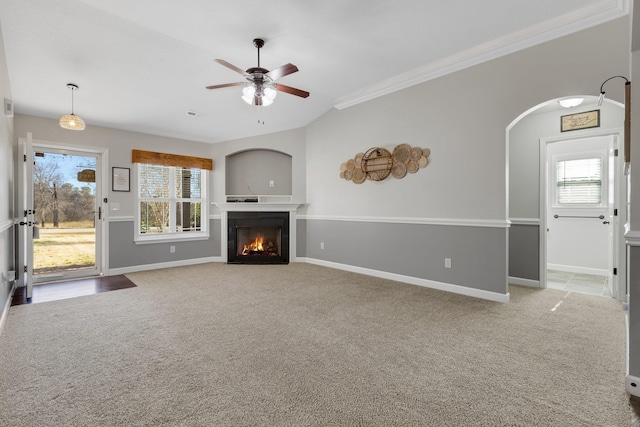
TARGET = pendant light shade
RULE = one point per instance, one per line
(71, 121)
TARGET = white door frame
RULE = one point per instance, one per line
(619, 252)
(29, 145)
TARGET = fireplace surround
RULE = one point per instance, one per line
(260, 204)
(257, 237)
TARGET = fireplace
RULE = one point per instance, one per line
(258, 238)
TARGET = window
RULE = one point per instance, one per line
(171, 202)
(579, 182)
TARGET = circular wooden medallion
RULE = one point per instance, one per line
(426, 152)
(343, 167)
(348, 175)
(342, 174)
(412, 166)
(423, 162)
(416, 153)
(376, 163)
(399, 170)
(351, 165)
(358, 176)
(358, 160)
(402, 153)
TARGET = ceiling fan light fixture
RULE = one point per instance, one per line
(270, 92)
(71, 121)
(248, 92)
(259, 88)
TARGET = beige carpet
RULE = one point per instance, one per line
(296, 345)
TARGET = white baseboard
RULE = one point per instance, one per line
(633, 385)
(157, 266)
(524, 282)
(462, 290)
(578, 270)
(5, 310)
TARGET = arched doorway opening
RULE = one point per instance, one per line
(571, 238)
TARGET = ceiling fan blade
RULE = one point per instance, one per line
(285, 70)
(224, 85)
(292, 90)
(231, 67)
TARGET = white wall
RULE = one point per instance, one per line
(7, 153)
(290, 142)
(119, 144)
(524, 149)
(462, 118)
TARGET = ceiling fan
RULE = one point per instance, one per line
(260, 87)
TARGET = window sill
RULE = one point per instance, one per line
(164, 238)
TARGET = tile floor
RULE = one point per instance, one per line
(580, 283)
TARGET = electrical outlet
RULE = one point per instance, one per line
(321, 245)
(272, 183)
(447, 263)
(172, 249)
(11, 276)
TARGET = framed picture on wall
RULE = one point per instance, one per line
(586, 120)
(120, 179)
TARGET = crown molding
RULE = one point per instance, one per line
(527, 37)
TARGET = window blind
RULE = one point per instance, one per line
(579, 181)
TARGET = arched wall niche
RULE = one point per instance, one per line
(253, 171)
(523, 139)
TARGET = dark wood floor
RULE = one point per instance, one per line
(74, 288)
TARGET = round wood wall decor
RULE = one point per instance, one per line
(376, 164)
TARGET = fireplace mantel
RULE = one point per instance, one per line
(262, 205)
(257, 207)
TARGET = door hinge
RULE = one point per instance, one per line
(25, 269)
(24, 158)
(615, 212)
(615, 152)
(615, 271)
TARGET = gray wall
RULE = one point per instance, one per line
(524, 247)
(478, 254)
(462, 118)
(258, 167)
(123, 252)
(7, 156)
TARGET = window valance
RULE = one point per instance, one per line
(164, 159)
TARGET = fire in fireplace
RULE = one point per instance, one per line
(259, 245)
(258, 238)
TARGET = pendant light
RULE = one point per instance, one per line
(71, 121)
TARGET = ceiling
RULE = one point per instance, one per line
(142, 65)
